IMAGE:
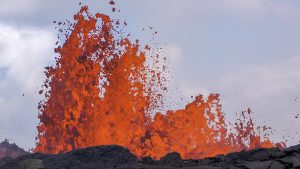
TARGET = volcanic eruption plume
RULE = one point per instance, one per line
(102, 91)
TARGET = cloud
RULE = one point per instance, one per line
(180, 90)
(269, 89)
(174, 54)
(15, 7)
(24, 52)
(248, 6)
(264, 80)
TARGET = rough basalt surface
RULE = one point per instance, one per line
(117, 157)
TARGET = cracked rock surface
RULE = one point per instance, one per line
(117, 157)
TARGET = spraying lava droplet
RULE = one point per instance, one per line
(101, 91)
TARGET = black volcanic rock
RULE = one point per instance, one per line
(148, 160)
(117, 157)
(293, 149)
(91, 157)
(172, 159)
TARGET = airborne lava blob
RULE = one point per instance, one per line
(101, 91)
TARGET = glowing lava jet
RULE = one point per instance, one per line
(101, 91)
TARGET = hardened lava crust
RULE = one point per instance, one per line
(117, 157)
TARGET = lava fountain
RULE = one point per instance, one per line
(102, 89)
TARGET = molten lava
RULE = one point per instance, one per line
(102, 89)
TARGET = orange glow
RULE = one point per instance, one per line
(101, 91)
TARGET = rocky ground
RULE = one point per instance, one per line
(117, 157)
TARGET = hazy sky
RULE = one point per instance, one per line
(246, 50)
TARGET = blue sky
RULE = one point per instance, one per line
(246, 50)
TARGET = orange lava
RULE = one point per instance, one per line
(101, 91)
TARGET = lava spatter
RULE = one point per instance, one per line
(102, 90)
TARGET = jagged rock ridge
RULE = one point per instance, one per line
(10, 150)
(117, 157)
